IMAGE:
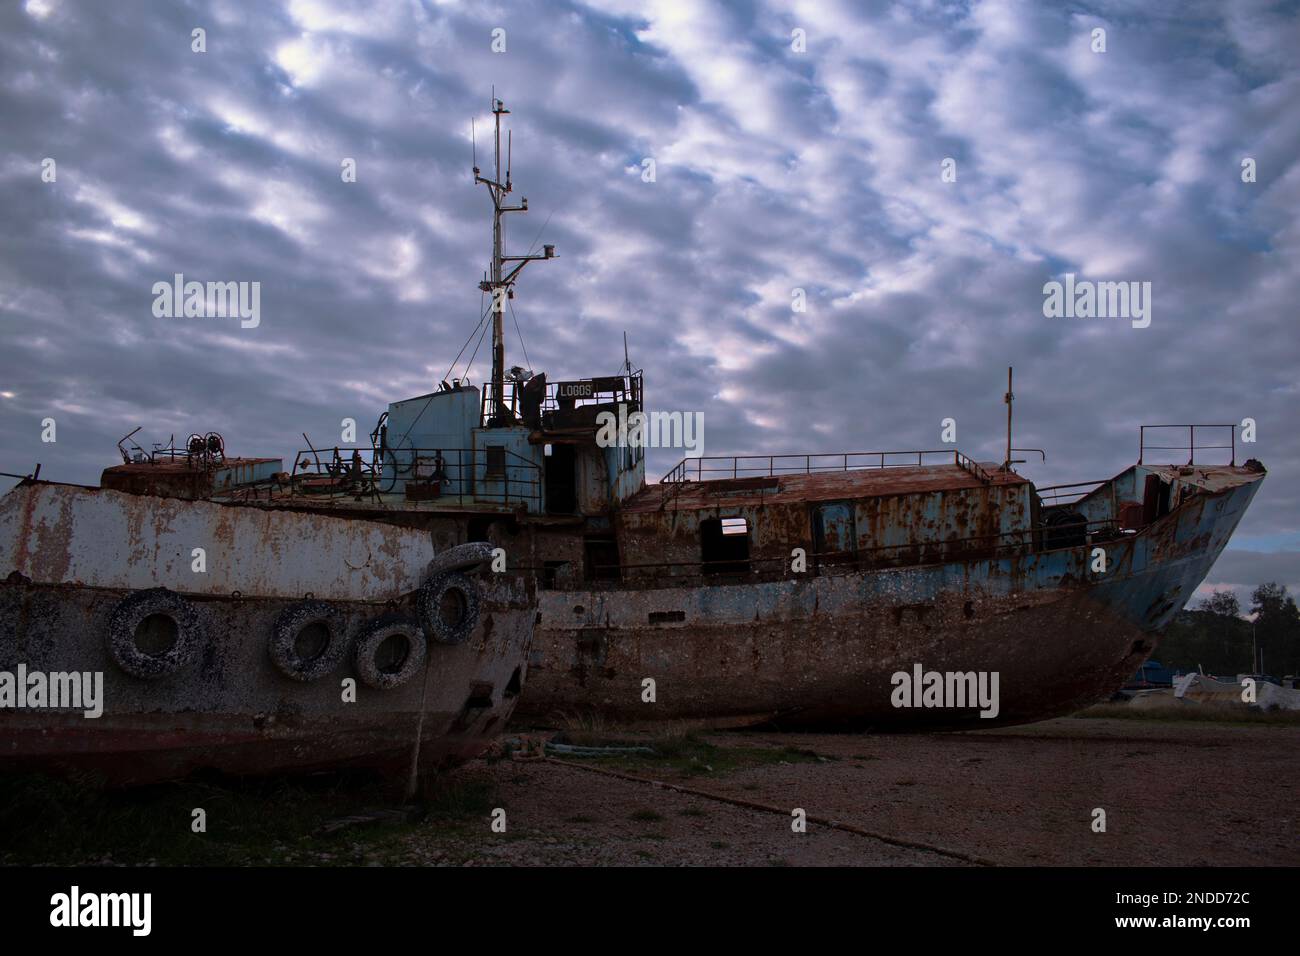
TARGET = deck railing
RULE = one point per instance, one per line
(1053, 495)
(1192, 446)
(561, 395)
(723, 467)
(424, 474)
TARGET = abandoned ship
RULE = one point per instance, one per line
(786, 588)
(218, 637)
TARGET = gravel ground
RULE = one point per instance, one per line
(1175, 793)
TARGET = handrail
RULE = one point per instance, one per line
(1191, 446)
(625, 388)
(376, 471)
(1058, 492)
(682, 470)
(731, 467)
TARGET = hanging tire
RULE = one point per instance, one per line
(448, 605)
(389, 652)
(154, 633)
(307, 640)
(462, 557)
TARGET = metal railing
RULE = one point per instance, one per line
(1191, 447)
(424, 474)
(1075, 491)
(565, 395)
(725, 467)
(969, 464)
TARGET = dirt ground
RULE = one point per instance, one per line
(1175, 793)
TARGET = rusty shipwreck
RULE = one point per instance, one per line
(787, 588)
(242, 640)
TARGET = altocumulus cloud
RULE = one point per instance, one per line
(775, 170)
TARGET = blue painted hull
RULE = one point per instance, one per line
(823, 650)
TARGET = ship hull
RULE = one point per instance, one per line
(818, 651)
(231, 710)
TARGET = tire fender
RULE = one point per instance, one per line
(375, 634)
(429, 605)
(284, 637)
(132, 611)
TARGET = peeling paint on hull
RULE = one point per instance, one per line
(821, 650)
(232, 710)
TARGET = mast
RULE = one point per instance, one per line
(1008, 398)
(500, 284)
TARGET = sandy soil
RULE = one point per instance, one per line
(1175, 793)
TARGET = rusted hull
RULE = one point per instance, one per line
(821, 650)
(232, 710)
(150, 748)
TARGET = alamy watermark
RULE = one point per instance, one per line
(951, 690)
(58, 690)
(651, 430)
(75, 908)
(211, 300)
(1085, 299)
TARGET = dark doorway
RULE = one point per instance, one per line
(561, 480)
(601, 558)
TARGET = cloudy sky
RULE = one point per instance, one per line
(783, 160)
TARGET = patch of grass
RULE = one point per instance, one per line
(693, 812)
(579, 818)
(460, 800)
(645, 815)
(582, 729)
(719, 845)
(66, 822)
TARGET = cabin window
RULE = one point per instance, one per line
(496, 461)
(601, 558)
(724, 545)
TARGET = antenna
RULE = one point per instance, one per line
(500, 284)
(473, 144)
(626, 361)
(1009, 398)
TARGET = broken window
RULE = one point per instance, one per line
(496, 461)
(724, 545)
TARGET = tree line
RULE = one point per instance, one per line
(1216, 638)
